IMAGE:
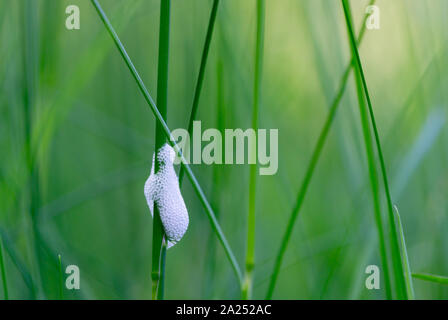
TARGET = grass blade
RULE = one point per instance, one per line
(246, 291)
(405, 258)
(373, 174)
(162, 102)
(200, 193)
(197, 92)
(217, 178)
(161, 289)
(61, 279)
(26, 275)
(3, 270)
(399, 281)
(30, 55)
(310, 170)
(431, 278)
(250, 251)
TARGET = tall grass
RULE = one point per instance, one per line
(363, 93)
(218, 185)
(208, 209)
(29, 87)
(431, 278)
(246, 291)
(61, 278)
(18, 263)
(162, 102)
(310, 168)
(3, 272)
(404, 258)
(89, 149)
(197, 93)
(200, 80)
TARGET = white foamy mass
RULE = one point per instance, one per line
(163, 189)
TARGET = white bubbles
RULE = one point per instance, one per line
(163, 189)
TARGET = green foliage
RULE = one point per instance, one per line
(76, 141)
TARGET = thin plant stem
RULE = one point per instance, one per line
(405, 258)
(250, 253)
(61, 279)
(3, 272)
(196, 186)
(162, 102)
(200, 80)
(30, 54)
(217, 178)
(373, 173)
(161, 289)
(399, 281)
(431, 278)
(310, 170)
(18, 263)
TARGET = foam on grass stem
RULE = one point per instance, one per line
(196, 186)
(162, 102)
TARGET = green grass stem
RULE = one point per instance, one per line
(431, 278)
(200, 193)
(217, 186)
(250, 250)
(162, 102)
(405, 258)
(61, 279)
(3, 272)
(400, 288)
(18, 263)
(161, 288)
(200, 80)
(30, 58)
(310, 170)
(373, 172)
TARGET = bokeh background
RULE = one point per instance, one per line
(77, 138)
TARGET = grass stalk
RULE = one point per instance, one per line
(310, 169)
(217, 186)
(431, 278)
(61, 279)
(18, 263)
(373, 173)
(161, 289)
(399, 281)
(196, 186)
(246, 291)
(162, 102)
(3, 272)
(30, 54)
(405, 258)
(200, 80)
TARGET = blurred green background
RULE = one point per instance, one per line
(77, 138)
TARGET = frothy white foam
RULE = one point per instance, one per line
(163, 189)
